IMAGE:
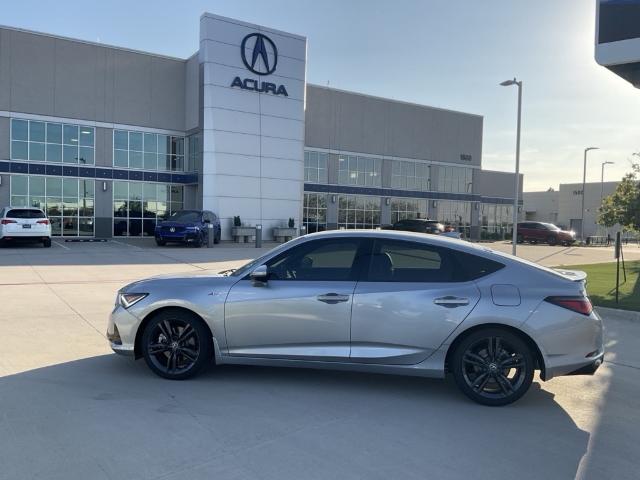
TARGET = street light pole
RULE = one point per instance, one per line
(602, 180)
(584, 181)
(514, 239)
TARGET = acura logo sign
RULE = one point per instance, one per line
(263, 54)
(260, 55)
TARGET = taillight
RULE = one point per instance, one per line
(43, 222)
(575, 304)
(6, 221)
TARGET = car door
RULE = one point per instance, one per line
(303, 310)
(407, 302)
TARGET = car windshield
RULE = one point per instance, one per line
(248, 267)
(185, 216)
(551, 226)
(25, 213)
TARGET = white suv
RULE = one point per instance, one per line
(24, 223)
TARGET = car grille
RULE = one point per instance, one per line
(173, 229)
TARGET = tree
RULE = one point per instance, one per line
(623, 205)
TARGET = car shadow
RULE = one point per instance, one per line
(108, 417)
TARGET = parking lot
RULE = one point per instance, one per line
(71, 409)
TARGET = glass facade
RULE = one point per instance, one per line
(407, 208)
(52, 142)
(358, 211)
(148, 151)
(314, 216)
(138, 206)
(456, 214)
(410, 175)
(455, 179)
(496, 221)
(315, 167)
(361, 171)
(68, 202)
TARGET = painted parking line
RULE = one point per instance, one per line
(126, 244)
(60, 245)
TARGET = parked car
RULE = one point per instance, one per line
(420, 225)
(24, 224)
(188, 227)
(373, 301)
(535, 232)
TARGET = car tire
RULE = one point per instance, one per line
(46, 243)
(551, 240)
(476, 366)
(519, 238)
(160, 243)
(177, 344)
(199, 241)
(216, 239)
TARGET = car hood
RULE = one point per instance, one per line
(180, 280)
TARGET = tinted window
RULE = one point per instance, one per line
(186, 216)
(472, 267)
(323, 260)
(25, 213)
(398, 261)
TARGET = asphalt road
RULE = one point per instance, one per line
(69, 409)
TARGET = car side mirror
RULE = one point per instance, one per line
(259, 276)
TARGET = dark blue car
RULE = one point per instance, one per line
(189, 227)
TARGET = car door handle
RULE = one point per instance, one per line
(333, 298)
(451, 302)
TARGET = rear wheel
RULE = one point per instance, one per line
(46, 242)
(493, 366)
(176, 344)
(551, 240)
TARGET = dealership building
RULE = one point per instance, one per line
(109, 141)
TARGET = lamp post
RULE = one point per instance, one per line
(508, 83)
(584, 181)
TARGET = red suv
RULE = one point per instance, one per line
(535, 232)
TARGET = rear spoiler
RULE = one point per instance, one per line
(573, 275)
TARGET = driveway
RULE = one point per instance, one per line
(70, 409)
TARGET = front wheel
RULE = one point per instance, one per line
(493, 366)
(177, 344)
(160, 243)
(216, 239)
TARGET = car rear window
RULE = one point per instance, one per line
(25, 213)
(472, 267)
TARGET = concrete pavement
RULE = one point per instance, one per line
(70, 409)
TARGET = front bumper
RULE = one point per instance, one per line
(121, 331)
(187, 236)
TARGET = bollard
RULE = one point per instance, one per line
(303, 230)
(210, 235)
(258, 236)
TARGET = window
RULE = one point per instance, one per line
(52, 142)
(410, 175)
(24, 213)
(455, 179)
(358, 211)
(407, 208)
(324, 260)
(315, 167)
(456, 214)
(398, 261)
(314, 216)
(137, 206)
(149, 151)
(68, 202)
(497, 221)
(363, 171)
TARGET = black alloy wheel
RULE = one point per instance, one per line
(493, 367)
(160, 243)
(176, 344)
(551, 240)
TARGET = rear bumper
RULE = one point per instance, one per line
(27, 235)
(590, 368)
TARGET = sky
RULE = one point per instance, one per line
(445, 53)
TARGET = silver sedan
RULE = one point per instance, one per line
(374, 301)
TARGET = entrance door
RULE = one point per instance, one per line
(303, 310)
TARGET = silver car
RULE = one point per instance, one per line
(372, 301)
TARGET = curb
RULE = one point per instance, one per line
(618, 314)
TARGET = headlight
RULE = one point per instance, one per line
(129, 299)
